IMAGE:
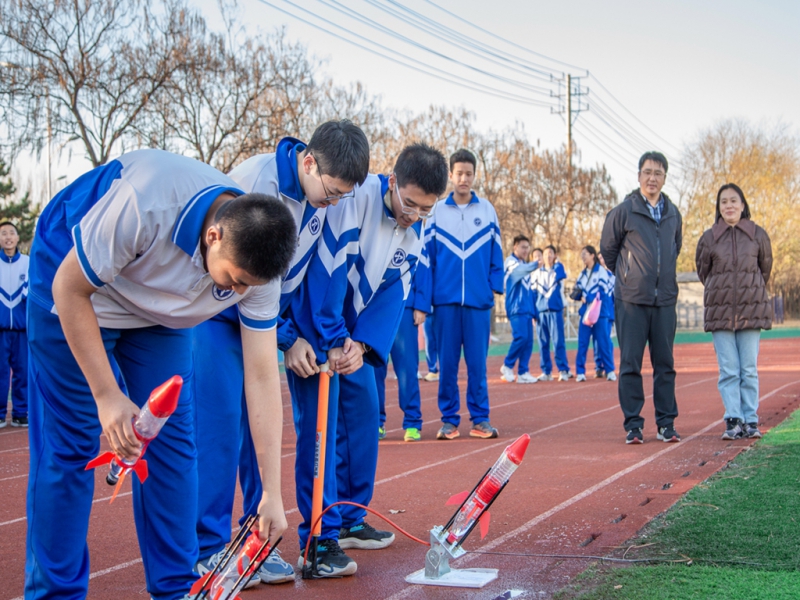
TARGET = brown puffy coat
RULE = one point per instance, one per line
(734, 264)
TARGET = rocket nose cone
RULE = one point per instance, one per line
(164, 399)
(516, 451)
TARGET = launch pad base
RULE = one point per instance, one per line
(466, 578)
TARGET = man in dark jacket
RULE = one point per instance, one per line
(641, 241)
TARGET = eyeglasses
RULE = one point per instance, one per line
(413, 210)
(657, 174)
(328, 196)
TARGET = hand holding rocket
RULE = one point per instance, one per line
(162, 403)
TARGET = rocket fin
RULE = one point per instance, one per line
(103, 459)
(200, 584)
(140, 468)
(484, 523)
(458, 498)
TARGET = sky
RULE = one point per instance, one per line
(659, 73)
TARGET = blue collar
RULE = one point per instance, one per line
(187, 231)
(286, 159)
(417, 227)
(11, 259)
(473, 200)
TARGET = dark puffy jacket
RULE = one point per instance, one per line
(641, 253)
(734, 264)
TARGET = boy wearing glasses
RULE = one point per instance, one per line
(355, 291)
(466, 270)
(308, 179)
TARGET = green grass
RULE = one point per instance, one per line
(740, 529)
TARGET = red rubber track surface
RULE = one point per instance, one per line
(580, 490)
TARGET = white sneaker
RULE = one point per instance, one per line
(564, 376)
(507, 374)
(431, 377)
(526, 378)
(545, 377)
(580, 377)
(419, 375)
(611, 376)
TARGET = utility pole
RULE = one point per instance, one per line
(566, 108)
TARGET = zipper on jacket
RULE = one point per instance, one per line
(658, 254)
(463, 260)
(735, 307)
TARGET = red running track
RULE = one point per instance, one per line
(581, 489)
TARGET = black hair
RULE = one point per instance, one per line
(537, 249)
(553, 248)
(591, 250)
(655, 157)
(521, 238)
(4, 223)
(342, 150)
(261, 234)
(463, 156)
(423, 166)
(727, 186)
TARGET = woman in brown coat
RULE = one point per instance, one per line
(734, 260)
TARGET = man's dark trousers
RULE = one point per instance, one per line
(638, 325)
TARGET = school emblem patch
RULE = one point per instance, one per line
(314, 225)
(399, 257)
(477, 222)
(221, 294)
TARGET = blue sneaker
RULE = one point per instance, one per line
(275, 569)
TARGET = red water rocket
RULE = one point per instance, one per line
(237, 566)
(159, 406)
(473, 510)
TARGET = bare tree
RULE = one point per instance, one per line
(87, 67)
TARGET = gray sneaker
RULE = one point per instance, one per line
(275, 569)
(751, 430)
(206, 566)
(364, 537)
(733, 429)
(448, 432)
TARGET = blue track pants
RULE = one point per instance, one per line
(65, 435)
(305, 393)
(14, 362)
(551, 327)
(457, 327)
(405, 357)
(356, 443)
(522, 343)
(604, 349)
(431, 343)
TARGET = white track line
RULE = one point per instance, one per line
(14, 477)
(93, 502)
(582, 495)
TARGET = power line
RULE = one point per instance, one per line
(509, 42)
(441, 74)
(440, 29)
(338, 7)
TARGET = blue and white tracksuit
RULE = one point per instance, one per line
(223, 432)
(405, 358)
(135, 225)
(13, 338)
(599, 280)
(431, 344)
(521, 311)
(463, 272)
(356, 287)
(550, 304)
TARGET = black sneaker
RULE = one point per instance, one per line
(599, 373)
(668, 434)
(331, 560)
(19, 422)
(635, 436)
(364, 537)
(733, 429)
(751, 430)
